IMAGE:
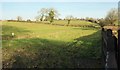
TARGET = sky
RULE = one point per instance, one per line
(59, 0)
(28, 10)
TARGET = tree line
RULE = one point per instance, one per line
(50, 14)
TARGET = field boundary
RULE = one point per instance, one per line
(72, 25)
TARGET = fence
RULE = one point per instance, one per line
(110, 49)
(118, 50)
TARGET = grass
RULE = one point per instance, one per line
(72, 23)
(43, 45)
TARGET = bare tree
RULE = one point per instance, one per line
(112, 16)
(69, 18)
(19, 18)
(101, 22)
(43, 12)
(37, 18)
(47, 14)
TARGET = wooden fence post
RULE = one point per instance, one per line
(118, 49)
(109, 49)
(110, 58)
(103, 47)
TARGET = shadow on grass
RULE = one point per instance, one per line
(86, 50)
(91, 44)
(44, 53)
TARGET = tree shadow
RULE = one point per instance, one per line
(46, 53)
(86, 50)
(90, 43)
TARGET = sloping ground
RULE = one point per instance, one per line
(77, 23)
(74, 23)
(49, 46)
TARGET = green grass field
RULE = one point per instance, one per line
(72, 23)
(45, 45)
